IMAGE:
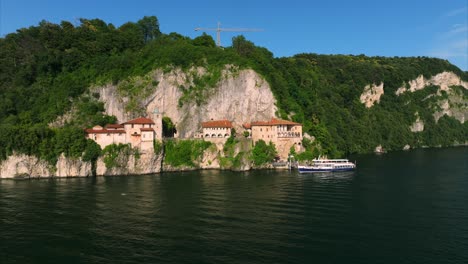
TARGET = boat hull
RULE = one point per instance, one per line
(312, 170)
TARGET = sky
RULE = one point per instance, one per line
(433, 28)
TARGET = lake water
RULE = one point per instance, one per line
(404, 207)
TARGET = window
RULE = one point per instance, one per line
(132, 125)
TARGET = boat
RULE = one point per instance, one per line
(327, 165)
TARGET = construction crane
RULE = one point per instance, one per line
(219, 29)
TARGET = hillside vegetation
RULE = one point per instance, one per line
(47, 70)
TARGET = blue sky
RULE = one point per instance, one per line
(383, 28)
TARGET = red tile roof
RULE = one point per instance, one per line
(247, 126)
(114, 126)
(274, 122)
(147, 129)
(104, 131)
(217, 123)
(139, 121)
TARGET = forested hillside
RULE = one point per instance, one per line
(47, 70)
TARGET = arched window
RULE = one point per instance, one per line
(207, 135)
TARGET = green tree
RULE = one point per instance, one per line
(242, 46)
(150, 27)
(204, 40)
(263, 153)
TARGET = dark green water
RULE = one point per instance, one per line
(406, 207)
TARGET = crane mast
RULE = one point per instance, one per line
(219, 29)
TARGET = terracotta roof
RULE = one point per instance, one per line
(146, 129)
(140, 121)
(247, 126)
(104, 131)
(114, 126)
(217, 123)
(274, 122)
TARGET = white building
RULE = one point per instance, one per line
(216, 129)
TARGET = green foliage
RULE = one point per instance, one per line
(202, 85)
(246, 134)
(184, 152)
(204, 40)
(150, 27)
(44, 143)
(263, 153)
(157, 146)
(168, 127)
(230, 158)
(116, 156)
(230, 143)
(92, 151)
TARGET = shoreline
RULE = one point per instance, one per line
(23, 177)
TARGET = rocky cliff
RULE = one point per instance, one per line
(24, 167)
(239, 95)
(372, 94)
(453, 104)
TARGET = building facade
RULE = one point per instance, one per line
(216, 129)
(139, 133)
(284, 134)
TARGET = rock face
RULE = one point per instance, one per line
(418, 125)
(446, 108)
(454, 106)
(443, 79)
(146, 163)
(240, 96)
(23, 166)
(372, 94)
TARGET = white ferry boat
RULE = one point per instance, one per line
(327, 165)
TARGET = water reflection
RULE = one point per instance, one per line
(329, 176)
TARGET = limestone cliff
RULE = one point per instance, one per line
(444, 80)
(146, 163)
(418, 125)
(240, 96)
(23, 166)
(372, 94)
(453, 104)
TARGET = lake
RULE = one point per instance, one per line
(402, 207)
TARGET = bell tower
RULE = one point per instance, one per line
(157, 119)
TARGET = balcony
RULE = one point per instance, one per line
(289, 134)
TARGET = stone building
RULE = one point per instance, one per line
(284, 134)
(139, 133)
(111, 134)
(216, 129)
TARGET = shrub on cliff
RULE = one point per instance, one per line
(184, 152)
(263, 152)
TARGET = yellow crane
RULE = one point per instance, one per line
(219, 29)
